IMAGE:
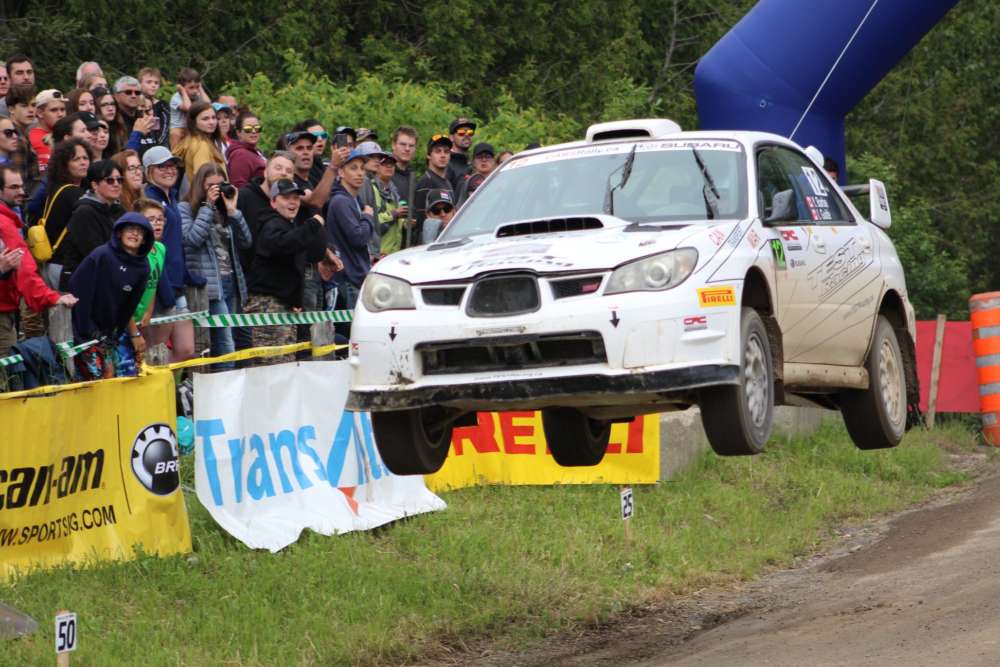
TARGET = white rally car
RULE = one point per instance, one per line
(641, 270)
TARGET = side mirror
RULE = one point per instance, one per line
(878, 200)
(783, 208)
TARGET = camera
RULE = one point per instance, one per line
(227, 190)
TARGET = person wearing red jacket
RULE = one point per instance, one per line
(18, 272)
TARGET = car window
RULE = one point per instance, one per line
(780, 169)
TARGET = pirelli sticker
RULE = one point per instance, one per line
(710, 297)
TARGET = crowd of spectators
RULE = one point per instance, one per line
(116, 202)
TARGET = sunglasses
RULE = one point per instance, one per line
(321, 135)
(438, 210)
(465, 132)
(9, 132)
(252, 128)
(438, 137)
(130, 93)
(113, 180)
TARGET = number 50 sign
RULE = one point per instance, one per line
(65, 632)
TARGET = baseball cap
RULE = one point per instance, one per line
(292, 137)
(285, 186)
(219, 106)
(156, 156)
(364, 134)
(89, 119)
(355, 155)
(370, 149)
(438, 140)
(437, 196)
(460, 122)
(483, 147)
(46, 96)
(344, 129)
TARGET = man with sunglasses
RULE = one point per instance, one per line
(440, 211)
(461, 130)
(436, 178)
(128, 93)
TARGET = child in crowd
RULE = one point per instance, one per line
(156, 289)
(109, 284)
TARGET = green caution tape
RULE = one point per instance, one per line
(66, 351)
(167, 319)
(272, 319)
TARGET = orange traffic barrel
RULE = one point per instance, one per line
(984, 311)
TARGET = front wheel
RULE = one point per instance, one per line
(574, 438)
(738, 418)
(876, 417)
(412, 442)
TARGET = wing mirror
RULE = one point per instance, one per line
(783, 207)
(878, 201)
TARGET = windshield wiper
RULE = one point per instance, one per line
(626, 169)
(708, 190)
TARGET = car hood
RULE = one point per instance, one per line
(555, 252)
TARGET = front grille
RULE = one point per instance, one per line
(549, 226)
(575, 286)
(501, 295)
(442, 296)
(512, 353)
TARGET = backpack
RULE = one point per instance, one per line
(38, 238)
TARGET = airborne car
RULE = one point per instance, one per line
(644, 269)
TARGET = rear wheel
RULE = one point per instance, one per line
(876, 417)
(573, 438)
(738, 418)
(412, 442)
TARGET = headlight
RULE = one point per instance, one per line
(651, 274)
(381, 292)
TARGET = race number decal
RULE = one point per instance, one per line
(815, 182)
(778, 251)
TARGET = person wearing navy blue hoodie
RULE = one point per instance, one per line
(109, 284)
(350, 228)
(162, 176)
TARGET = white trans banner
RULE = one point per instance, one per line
(276, 452)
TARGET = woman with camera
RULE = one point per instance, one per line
(214, 231)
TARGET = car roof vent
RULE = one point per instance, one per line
(641, 128)
(548, 226)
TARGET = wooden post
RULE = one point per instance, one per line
(60, 324)
(322, 333)
(197, 299)
(935, 370)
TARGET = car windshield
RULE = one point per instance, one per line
(666, 184)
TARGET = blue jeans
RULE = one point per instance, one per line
(222, 338)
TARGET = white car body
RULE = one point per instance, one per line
(823, 283)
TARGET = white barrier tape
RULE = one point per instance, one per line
(66, 351)
(167, 319)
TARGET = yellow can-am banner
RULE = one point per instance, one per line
(509, 448)
(88, 472)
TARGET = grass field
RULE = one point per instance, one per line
(510, 563)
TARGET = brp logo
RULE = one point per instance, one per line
(154, 459)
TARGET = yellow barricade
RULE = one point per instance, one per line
(509, 448)
(88, 471)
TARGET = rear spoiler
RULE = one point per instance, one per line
(878, 200)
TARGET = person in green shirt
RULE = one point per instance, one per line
(153, 211)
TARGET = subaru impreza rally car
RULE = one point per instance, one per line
(644, 269)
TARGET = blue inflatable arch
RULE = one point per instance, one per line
(797, 67)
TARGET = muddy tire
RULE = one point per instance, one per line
(738, 418)
(876, 417)
(573, 438)
(412, 442)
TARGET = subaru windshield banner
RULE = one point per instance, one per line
(275, 452)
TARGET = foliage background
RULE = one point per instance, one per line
(542, 71)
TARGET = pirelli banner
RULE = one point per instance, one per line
(509, 448)
(88, 472)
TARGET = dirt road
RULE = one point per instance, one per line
(922, 588)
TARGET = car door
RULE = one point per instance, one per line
(828, 285)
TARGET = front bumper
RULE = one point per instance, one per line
(583, 390)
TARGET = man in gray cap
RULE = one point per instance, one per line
(381, 195)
